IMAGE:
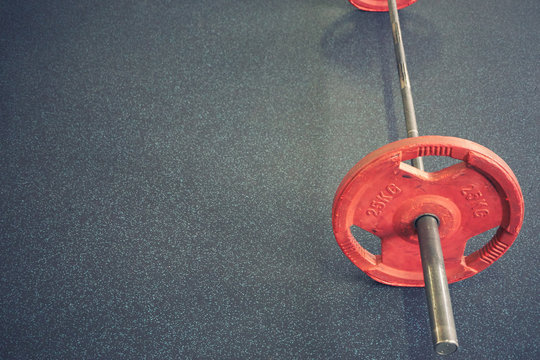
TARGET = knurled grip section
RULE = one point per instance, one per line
(434, 150)
(493, 250)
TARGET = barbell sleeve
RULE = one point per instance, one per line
(443, 328)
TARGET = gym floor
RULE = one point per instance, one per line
(168, 170)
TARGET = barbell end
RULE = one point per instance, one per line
(446, 347)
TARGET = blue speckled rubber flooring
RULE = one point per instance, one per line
(168, 170)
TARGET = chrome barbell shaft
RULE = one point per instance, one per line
(405, 83)
(443, 328)
(441, 316)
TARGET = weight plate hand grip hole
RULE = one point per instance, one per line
(477, 242)
(367, 240)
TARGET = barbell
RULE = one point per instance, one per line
(424, 219)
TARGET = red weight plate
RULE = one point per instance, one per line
(379, 5)
(383, 195)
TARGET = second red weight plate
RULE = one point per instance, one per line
(379, 5)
